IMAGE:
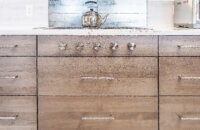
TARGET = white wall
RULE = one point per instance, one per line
(16, 13)
(161, 14)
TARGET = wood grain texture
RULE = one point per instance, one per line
(168, 45)
(26, 45)
(65, 113)
(24, 107)
(172, 108)
(145, 45)
(171, 68)
(132, 76)
(25, 69)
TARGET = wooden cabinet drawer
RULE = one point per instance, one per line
(179, 45)
(180, 113)
(18, 113)
(17, 76)
(98, 76)
(144, 45)
(98, 113)
(180, 76)
(17, 45)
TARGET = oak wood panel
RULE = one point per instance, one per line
(145, 45)
(24, 107)
(132, 76)
(171, 68)
(66, 113)
(172, 109)
(26, 45)
(169, 45)
(25, 69)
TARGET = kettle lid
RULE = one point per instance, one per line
(91, 12)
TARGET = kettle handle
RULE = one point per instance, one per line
(88, 2)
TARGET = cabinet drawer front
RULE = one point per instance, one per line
(17, 45)
(17, 76)
(18, 113)
(179, 46)
(50, 45)
(180, 76)
(179, 113)
(97, 113)
(97, 76)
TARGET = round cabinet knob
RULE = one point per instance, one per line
(131, 46)
(80, 46)
(114, 46)
(97, 46)
(62, 46)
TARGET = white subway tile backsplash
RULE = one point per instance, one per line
(126, 13)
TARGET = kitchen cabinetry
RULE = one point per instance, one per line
(99, 82)
(18, 87)
(112, 76)
(179, 80)
(96, 113)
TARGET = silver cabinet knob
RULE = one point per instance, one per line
(97, 46)
(114, 46)
(80, 46)
(131, 46)
(62, 46)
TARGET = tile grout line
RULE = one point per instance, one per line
(37, 81)
(158, 83)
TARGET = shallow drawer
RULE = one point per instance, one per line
(17, 76)
(69, 45)
(97, 76)
(17, 45)
(179, 45)
(179, 113)
(180, 76)
(98, 113)
(18, 113)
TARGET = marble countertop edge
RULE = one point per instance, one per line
(99, 32)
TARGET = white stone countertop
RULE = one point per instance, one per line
(45, 31)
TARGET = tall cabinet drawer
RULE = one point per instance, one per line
(179, 45)
(98, 76)
(180, 76)
(17, 76)
(18, 113)
(17, 45)
(98, 45)
(98, 113)
(179, 113)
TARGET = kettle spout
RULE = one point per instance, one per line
(103, 20)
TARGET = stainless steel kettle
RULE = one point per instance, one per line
(93, 19)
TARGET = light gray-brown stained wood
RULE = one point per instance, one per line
(24, 108)
(172, 68)
(73, 113)
(188, 46)
(145, 45)
(118, 76)
(17, 76)
(17, 45)
(180, 113)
